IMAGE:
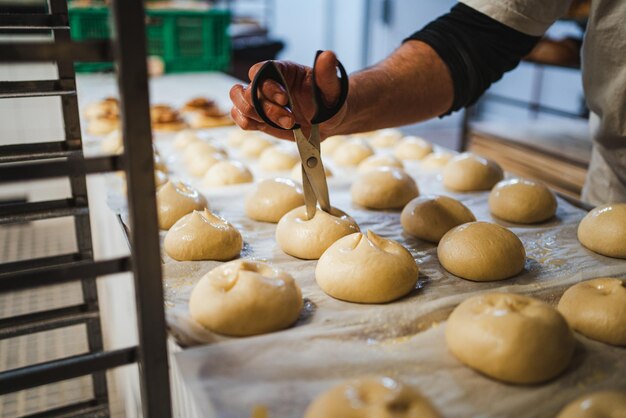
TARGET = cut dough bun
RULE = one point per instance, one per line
(175, 200)
(200, 164)
(272, 199)
(436, 160)
(604, 404)
(597, 309)
(309, 238)
(253, 146)
(375, 397)
(225, 173)
(278, 158)
(245, 297)
(522, 201)
(379, 161)
(202, 235)
(603, 230)
(430, 217)
(413, 148)
(481, 252)
(330, 144)
(384, 188)
(509, 337)
(468, 173)
(184, 138)
(366, 269)
(386, 138)
(296, 172)
(198, 148)
(352, 152)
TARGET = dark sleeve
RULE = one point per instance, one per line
(477, 49)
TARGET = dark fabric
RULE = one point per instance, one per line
(477, 49)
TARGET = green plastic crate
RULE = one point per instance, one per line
(186, 40)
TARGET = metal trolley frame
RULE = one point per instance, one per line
(64, 158)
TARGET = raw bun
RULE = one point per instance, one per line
(430, 217)
(200, 164)
(597, 309)
(113, 143)
(413, 148)
(198, 148)
(384, 188)
(386, 138)
(226, 173)
(468, 173)
(352, 152)
(371, 397)
(436, 160)
(244, 298)
(237, 137)
(272, 198)
(379, 161)
(184, 138)
(309, 238)
(330, 144)
(202, 235)
(366, 269)
(509, 337)
(482, 252)
(175, 200)
(522, 201)
(160, 178)
(603, 230)
(278, 158)
(253, 146)
(296, 172)
(604, 404)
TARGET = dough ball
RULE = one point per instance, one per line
(379, 161)
(184, 138)
(509, 337)
(296, 172)
(352, 152)
(159, 163)
(604, 404)
(175, 200)
(278, 158)
(225, 173)
(253, 146)
(603, 230)
(160, 178)
(202, 235)
(413, 148)
(430, 217)
(309, 238)
(371, 397)
(330, 144)
(482, 252)
(113, 143)
(522, 201)
(597, 309)
(366, 269)
(384, 188)
(272, 198)
(436, 160)
(468, 173)
(237, 137)
(199, 148)
(200, 164)
(245, 297)
(386, 138)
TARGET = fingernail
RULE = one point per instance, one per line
(285, 122)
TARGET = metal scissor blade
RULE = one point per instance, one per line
(310, 201)
(312, 168)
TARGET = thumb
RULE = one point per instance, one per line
(326, 77)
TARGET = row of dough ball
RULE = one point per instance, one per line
(519, 339)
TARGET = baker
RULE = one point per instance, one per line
(449, 64)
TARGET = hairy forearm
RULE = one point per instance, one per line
(411, 85)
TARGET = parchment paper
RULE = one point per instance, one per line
(334, 340)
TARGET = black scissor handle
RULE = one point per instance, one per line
(270, 71)
(323, 112)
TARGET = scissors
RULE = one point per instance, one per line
(313, 175)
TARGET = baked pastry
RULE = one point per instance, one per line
(108, 106)
(165, 118)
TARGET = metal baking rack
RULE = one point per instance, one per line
(65, 159)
